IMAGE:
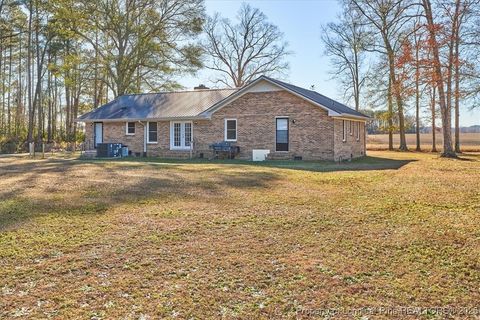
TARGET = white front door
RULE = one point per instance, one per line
(181, 135)
(98, 133)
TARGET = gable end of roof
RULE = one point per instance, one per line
(334, 108)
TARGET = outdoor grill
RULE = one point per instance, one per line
(224, 149)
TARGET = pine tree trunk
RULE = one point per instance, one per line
(10, 85)
(38, 89)
(31, 111)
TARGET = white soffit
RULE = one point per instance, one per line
(264, 86)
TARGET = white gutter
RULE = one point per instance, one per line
(350, 117)
(144, 138)
(193, 118)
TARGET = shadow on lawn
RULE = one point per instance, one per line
(361, 164)
(32, 189)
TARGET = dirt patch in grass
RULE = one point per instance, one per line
(164, 239)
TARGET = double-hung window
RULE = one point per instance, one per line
(350, 124)
(281, 134)
(130, 128)
(344, 130)
(230, 129)
(181, 135)
(152, 132)
(358, 131)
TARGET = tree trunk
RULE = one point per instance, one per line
(448, 150)
(10, 85)
(31, 111)
(457, 87)
(356, 84)
(3, 112)
(390, 115)
(49, 93)
(38, 88)
(19, 105)
(434, 116)
(417, 95)
(398, 97)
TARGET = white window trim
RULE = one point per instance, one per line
(344, 131)
(148, 133)
(126, 129)
(172, 147)
(236, 129)
(350, 127)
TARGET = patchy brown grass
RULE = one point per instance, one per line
(469, 142)
(157, 239)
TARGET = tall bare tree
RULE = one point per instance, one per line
(345, 42)
(445, 108)
(388, 18)
(240, 52)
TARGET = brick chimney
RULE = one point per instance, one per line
(201, 87)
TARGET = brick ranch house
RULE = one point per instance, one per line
(281, 119)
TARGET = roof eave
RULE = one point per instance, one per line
(198, 117)
(220, 104)
(351, 116)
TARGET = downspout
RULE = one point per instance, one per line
(144, 138)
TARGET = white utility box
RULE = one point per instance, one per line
(260, 154)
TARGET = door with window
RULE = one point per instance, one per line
(97, 134)
(281, 136)
(181, 135)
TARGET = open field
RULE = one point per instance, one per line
(197, 240)
(468, 141)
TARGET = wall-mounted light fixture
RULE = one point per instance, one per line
(293, 121)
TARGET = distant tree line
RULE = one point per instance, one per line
(393, 56)
(61, 58)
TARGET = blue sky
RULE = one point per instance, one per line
(300, 21)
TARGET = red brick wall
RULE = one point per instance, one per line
(313, 136)
(351, 148)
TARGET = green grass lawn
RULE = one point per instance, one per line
(156, 239)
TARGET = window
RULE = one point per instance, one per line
(282, 134)
(152, 132)
(358, 131)
(188, 133)
(130, 128)
(350, 127)
(177, 134)
(230, 129)
(181, 135)
(344, 129)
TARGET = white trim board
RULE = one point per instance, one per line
(183, 140)
(225, 129)
(134, 128)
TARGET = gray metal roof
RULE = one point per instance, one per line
(319, 98)
(163, 105)
(195, 104)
